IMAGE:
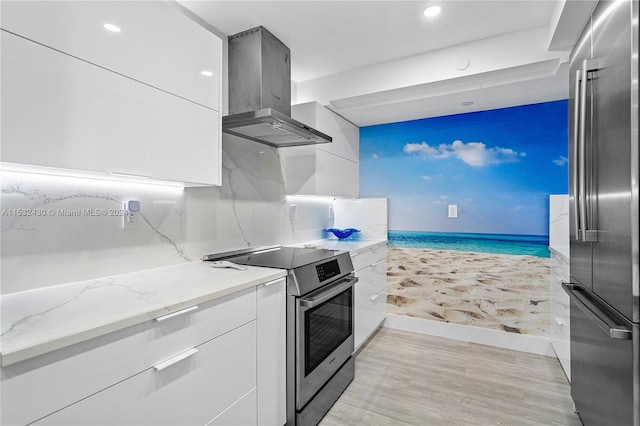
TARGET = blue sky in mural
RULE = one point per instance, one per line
(497, 166)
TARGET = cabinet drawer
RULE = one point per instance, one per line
(365, 287)
(379, 252)
(379, 270)
(168, 52)
(189, 392)
(39, 386)
(361, 258)
(369, 316)
(371, 279)
(241, 413)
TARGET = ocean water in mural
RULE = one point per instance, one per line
(531, 245)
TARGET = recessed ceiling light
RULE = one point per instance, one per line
(112, 28)
(206, 73)
(432, 11)
(467, 103)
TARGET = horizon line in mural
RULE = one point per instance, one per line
(511, 244)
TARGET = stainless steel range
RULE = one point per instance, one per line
(320, 340)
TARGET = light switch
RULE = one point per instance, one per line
(453, 211)
(292, 211)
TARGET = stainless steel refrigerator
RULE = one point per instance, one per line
(604, 188)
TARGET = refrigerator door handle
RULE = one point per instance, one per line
(598, 314)
(576, 154)
(582, 162)
(586, 234)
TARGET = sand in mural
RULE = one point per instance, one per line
(496, 291)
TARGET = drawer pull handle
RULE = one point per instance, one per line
(176, 359)
(560, 321)
(176, 313)
(374, 297)
(272, 282)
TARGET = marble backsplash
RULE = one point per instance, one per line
(74, 231)
(559, 223)
(369, 215)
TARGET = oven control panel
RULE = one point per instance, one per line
(328, 270)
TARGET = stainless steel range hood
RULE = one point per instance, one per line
(260, 92)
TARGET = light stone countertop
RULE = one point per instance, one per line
(336, 244)
(39, 321)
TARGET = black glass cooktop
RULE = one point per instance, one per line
(284, 257)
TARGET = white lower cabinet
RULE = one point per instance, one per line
(220, 364)
(369, 316)
(192, 391)
(560, 315)
(241, 413)
(370, 298)
(272, 340)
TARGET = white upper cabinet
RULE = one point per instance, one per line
(346, 136)
(330, 169)
(156, 44)
(58, 111)
(78, 97)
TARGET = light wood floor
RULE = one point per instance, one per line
(406, 378)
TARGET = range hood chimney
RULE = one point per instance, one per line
(260, 92)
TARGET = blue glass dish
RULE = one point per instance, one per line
(342, 233)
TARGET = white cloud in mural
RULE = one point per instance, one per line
(561, 161)
(426, 178)
(374, 156)
(443, 200)
(475, 154)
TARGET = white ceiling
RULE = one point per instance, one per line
(331, 37)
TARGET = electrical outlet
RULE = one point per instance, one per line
(130, 214)
(452, 211)
(292, 211)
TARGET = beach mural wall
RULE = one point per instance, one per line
(468, 212)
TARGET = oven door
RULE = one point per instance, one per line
(325, 336)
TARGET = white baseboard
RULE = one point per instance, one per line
(485, 336)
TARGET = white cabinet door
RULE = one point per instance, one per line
(325, 169)
(272, 353)
(370, 297)
(192, 391)
(346, 136)
(369, 316)
(336, 175)
(365, 287)
(156, 45)
(59, 111)
(361, 258)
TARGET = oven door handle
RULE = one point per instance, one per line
(325, 295)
